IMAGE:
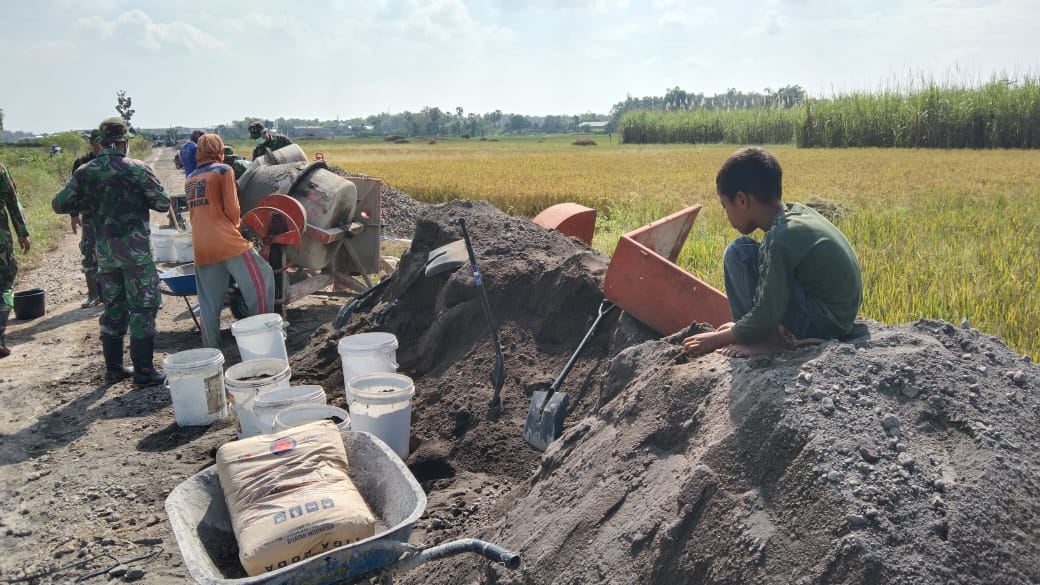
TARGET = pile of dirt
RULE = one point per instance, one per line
(903, 455)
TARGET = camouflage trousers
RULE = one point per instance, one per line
(8, 270)
(132, 299)
(87, 245)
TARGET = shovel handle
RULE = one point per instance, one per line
(605, 307)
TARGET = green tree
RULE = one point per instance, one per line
(123, 102)
(1, 121)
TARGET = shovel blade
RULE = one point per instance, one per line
(446, 258)
(545, 421)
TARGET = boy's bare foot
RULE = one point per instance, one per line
(741, 350)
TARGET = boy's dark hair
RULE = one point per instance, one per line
(752, 170)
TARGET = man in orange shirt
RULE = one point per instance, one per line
(220, 249)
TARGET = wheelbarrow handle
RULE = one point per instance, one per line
(490, 551)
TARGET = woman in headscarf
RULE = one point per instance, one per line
(220, 249)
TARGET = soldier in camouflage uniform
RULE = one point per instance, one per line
(118, 192)
(86, 240)
(266, 141)
(9, 207)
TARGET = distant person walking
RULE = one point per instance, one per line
(188, 153)
(10, 217)
(87, 240)
(220, 249)
(118, 191)
(266, 141)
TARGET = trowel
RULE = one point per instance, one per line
(549, 407)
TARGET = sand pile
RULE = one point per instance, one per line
(906, 455)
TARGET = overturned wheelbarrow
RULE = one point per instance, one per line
(643, 279)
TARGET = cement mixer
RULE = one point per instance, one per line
(315, 227)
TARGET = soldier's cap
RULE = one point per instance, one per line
(113, 129)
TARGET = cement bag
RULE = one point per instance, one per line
(289, 496)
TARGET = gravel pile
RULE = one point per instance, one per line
(399, 211)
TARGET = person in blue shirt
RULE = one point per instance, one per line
(189, 154)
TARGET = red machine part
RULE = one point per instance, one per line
(569, 219)
(277, 219)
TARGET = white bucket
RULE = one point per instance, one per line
(260, 336)
(196, 381)
(249, 379)
(268, 405)
(383, 406)
(162, 245)
(305, 413)
(183, 247)
(367, 353)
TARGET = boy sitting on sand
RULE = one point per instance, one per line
(803, 281)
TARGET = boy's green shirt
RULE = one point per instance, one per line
(803, 245)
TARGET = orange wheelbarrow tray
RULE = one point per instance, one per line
(643, 279)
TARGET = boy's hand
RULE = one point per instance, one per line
(703, 343)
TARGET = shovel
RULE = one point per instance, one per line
(498, 374)
(548, 407)
(348, 309)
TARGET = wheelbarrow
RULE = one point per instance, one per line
(202, 526)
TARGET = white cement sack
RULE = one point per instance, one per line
(289, 496)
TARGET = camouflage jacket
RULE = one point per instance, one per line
(117, 191)
(277, 141)
(10, 208)
(77, 164)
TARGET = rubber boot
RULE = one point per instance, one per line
(112, 347)
(141, 353)
(92, 291)
(4, 352)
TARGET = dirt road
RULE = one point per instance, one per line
(86, 465)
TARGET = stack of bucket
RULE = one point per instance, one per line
(378, 398)
(258, 387)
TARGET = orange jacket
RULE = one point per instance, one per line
(213, 206)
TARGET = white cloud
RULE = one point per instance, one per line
(598, 52)
(674, 18)
(137, 27)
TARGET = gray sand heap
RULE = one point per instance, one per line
(904, 455)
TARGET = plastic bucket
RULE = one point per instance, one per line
(260, 336)
(367, 353)
(249, 379)
(383, 406)
(162, 245)
(196, 381)
(29, 304)
(183, 247)
(266, 406)
(305, 413)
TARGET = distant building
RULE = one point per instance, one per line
(309, 132)
(601, 127)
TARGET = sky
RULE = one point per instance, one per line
(203, 63)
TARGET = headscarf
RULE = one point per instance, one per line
(211, 149)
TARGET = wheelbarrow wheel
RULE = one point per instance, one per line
(237, 304)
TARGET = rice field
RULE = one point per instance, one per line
(942, 234)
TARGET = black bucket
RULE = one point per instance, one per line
(29, 304)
